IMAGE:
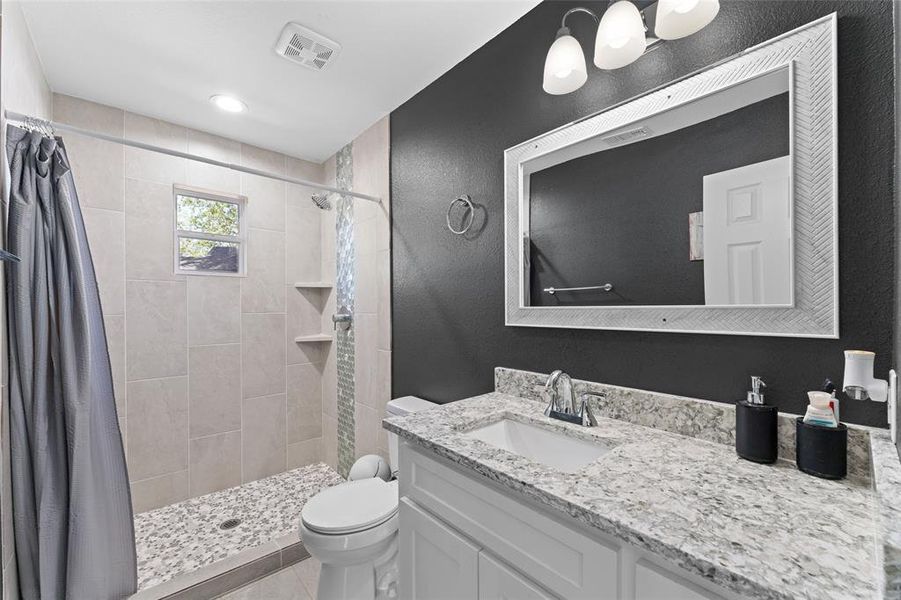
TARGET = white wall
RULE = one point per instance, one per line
(23, 88)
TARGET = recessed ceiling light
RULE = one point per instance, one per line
(228, 103)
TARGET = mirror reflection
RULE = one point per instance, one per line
(691, 206)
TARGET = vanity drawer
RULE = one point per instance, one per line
(553, 554)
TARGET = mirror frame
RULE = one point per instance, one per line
(809, 54)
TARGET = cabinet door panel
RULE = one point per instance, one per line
(499, 582)
(655, 583)
(435, 562)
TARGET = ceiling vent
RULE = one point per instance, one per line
(308, 48)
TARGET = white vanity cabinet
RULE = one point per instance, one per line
(463, 539)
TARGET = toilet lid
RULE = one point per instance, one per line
(351, 507)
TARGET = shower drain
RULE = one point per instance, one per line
(229, 523)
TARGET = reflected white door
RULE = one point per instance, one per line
(748, 234)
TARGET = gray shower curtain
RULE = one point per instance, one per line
(74, 533)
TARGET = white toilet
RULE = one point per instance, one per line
(352, 528)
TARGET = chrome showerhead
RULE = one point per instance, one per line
(321, 201)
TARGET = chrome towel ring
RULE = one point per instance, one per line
(464, 200)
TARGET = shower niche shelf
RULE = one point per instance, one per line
(315, 338)
(313, 285)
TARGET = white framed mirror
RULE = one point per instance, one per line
(708, 205)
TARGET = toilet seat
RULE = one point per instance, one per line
(351, 507)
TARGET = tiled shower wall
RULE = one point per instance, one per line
(372, 301)
(212, 391)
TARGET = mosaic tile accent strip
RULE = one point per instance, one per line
(702, 419)
(345, 301)
(184, 537)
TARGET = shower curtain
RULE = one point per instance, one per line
(74, 533)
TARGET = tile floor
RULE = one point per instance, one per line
(183, 537)
(297, 582)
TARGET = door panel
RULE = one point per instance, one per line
(748, 235)
(435, 562)
(499, 582)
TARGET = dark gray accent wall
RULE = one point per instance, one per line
(621, 215)
(448, 309)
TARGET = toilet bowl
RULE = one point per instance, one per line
(351, 528)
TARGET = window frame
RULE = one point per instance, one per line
(241, 239)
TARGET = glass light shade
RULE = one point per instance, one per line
(679, 18)
(564, 67)
(621, 36)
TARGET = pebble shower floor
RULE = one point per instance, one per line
(186, 536)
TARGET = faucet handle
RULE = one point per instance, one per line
(585, 412)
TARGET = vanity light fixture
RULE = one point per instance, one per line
(679, 18)
(624, 34)
(228, 103)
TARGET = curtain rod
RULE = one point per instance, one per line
(25, 119)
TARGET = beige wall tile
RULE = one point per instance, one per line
(157, 427)
(98, 166)
(262, 159)
(263, 290)
(327, 234)
(214, 310)
(303, 169)
(330, 383)
(384, 300)
(263, 433)
(215, 389)
(115, 343)
(365, 359)
(156, 322)
(215, 463)
(208, 176)
(153, 166)
(106, 237)
(265, 202)
(304, 402)
(366, 425)
(159, 491)
(383, 228)
(149, 235)
(304, 453)
(366, 291)
(263, 354)
(330, 441)
(303, 243)
(371, 160)
(383, 379)
(305, 308)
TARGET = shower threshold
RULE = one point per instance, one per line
(206, 546)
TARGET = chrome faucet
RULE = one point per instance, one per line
(564, 408)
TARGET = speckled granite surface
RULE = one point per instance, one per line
(887, 484)
(183, 537)
(702, 419)
(763, 531)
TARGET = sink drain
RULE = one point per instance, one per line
(229, 523)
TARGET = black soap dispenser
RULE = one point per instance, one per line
(756, 426)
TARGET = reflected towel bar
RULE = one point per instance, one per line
(607, 287)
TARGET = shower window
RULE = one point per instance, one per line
(209, 233)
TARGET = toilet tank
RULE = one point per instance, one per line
(398, 407)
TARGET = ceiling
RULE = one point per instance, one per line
(165, 58)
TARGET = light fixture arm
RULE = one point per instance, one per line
(578, 9)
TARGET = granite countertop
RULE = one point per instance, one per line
(762, 531)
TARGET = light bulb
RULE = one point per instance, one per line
(228, 103)
(621, 36)
(679, 18)
(564, 67)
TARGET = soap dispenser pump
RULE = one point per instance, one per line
(756, 426)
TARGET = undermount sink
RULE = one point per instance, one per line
(547, 447)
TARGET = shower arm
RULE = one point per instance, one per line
(55, 126)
